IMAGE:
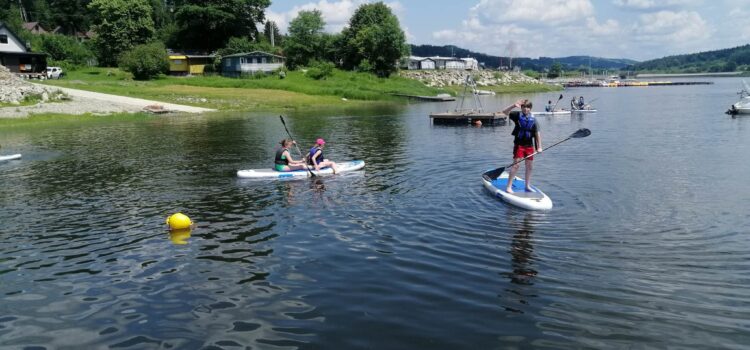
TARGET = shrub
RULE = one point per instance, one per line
(145, 61)
(63, 48)
(320, 70)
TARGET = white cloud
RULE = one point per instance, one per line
(609, 27)
(548, 12)
(654, 4)
(683, 28)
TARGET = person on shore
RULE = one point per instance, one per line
(284, 160)
(527, 141)
(549, 106)
(317, 159)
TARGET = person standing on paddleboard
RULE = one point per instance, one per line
(317, 159)
(284, 160)
(528, 139)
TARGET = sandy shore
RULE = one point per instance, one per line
(82, 102)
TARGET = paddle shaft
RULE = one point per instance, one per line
(296, 147)
(558, 101)
(535, 153)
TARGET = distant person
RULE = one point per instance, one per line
(527, 140)
(581, 104)
(573, 104)
(549, 107)
(284, 160)
(317, 159)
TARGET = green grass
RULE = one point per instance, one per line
(61, 119)
(269, 92)
(514, 88)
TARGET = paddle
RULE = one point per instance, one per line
(295, 146)
(494, 174)
(558, 101)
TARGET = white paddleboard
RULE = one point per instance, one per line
(273, 174)
(534, 200)
(584, 111)
(563, 112)
(10, 157)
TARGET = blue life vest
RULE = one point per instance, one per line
(525, 125)
(314, 150)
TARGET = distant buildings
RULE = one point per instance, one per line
(34, 28)
(437, 62)
(17, 56)
(249, 63)
(186, 64)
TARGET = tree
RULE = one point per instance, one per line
(239, 45)
(120, 25)
(71, 15)
(272, 34)
(62, 48)
(555, 71)
(208, 24)
(305, 38)
(145, 61)
(373, 41)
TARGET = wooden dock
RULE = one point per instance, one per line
(428, 98)
(468, 117)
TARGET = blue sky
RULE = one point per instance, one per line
(637, 29)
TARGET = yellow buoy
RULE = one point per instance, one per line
(179, 221)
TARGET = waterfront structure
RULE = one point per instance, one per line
(438, 62)
(184, 64)
(17, 56)
(250, 63)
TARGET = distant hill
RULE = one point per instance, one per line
(538, 64)
(726, 60)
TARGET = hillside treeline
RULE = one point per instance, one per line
(726, 60)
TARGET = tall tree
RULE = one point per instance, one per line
(373, 41)
(71, 15)
(120, 25)
(272, 34)
(305, 38)
(208, 24)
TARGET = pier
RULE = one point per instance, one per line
(632, 83)
(470, 117)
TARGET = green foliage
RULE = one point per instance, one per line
(726, 60)
(270, 29)
(320, 70)
(555, 71)
(145, 61)
(375, 36)
(208, 24)
(63, 48)
(120, 25)
(305, 38)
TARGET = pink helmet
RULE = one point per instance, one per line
(320, 142)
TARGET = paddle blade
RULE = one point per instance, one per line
(493, 174)
(282, 120)
(561, 97)
(583, 132)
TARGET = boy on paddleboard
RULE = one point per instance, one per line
(527, 140)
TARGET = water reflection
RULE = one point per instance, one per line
(179, 237)
(522, 272)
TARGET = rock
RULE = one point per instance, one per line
(45, 96)
(13, 90)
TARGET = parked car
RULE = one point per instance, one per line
(54, 73)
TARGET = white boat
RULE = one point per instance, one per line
(743, 105)
(269, 173)
(484, 92)
(10, 157)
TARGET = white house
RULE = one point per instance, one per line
(16, 57)
(470, 63)
(250, 63)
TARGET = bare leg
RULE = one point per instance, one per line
(529, 167)
(512, 175)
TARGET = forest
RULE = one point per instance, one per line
(725, 60)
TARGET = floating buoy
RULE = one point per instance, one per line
(179, 221)
(179, 237)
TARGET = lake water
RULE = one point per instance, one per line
(646, 246)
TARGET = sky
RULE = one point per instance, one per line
(635, 29)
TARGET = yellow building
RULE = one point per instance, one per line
(189, 64)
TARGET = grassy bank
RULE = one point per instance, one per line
(266, 92)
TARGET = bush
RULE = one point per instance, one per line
(320, 70)
(145, 61)
(63, 48)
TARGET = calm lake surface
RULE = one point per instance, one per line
(646, 246)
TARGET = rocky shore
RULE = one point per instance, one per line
(443, 78)
(14, 91)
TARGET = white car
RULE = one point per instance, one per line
(54, 73)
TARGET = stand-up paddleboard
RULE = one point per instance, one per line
(534, 200)
(10, 157)
(563, 112)
(584, 111)
(273, 174)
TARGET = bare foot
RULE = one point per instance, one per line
(528, 189)
(509, 190)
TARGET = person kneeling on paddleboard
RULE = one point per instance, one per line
(527, 140)
(317, 159)
(284, 161)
